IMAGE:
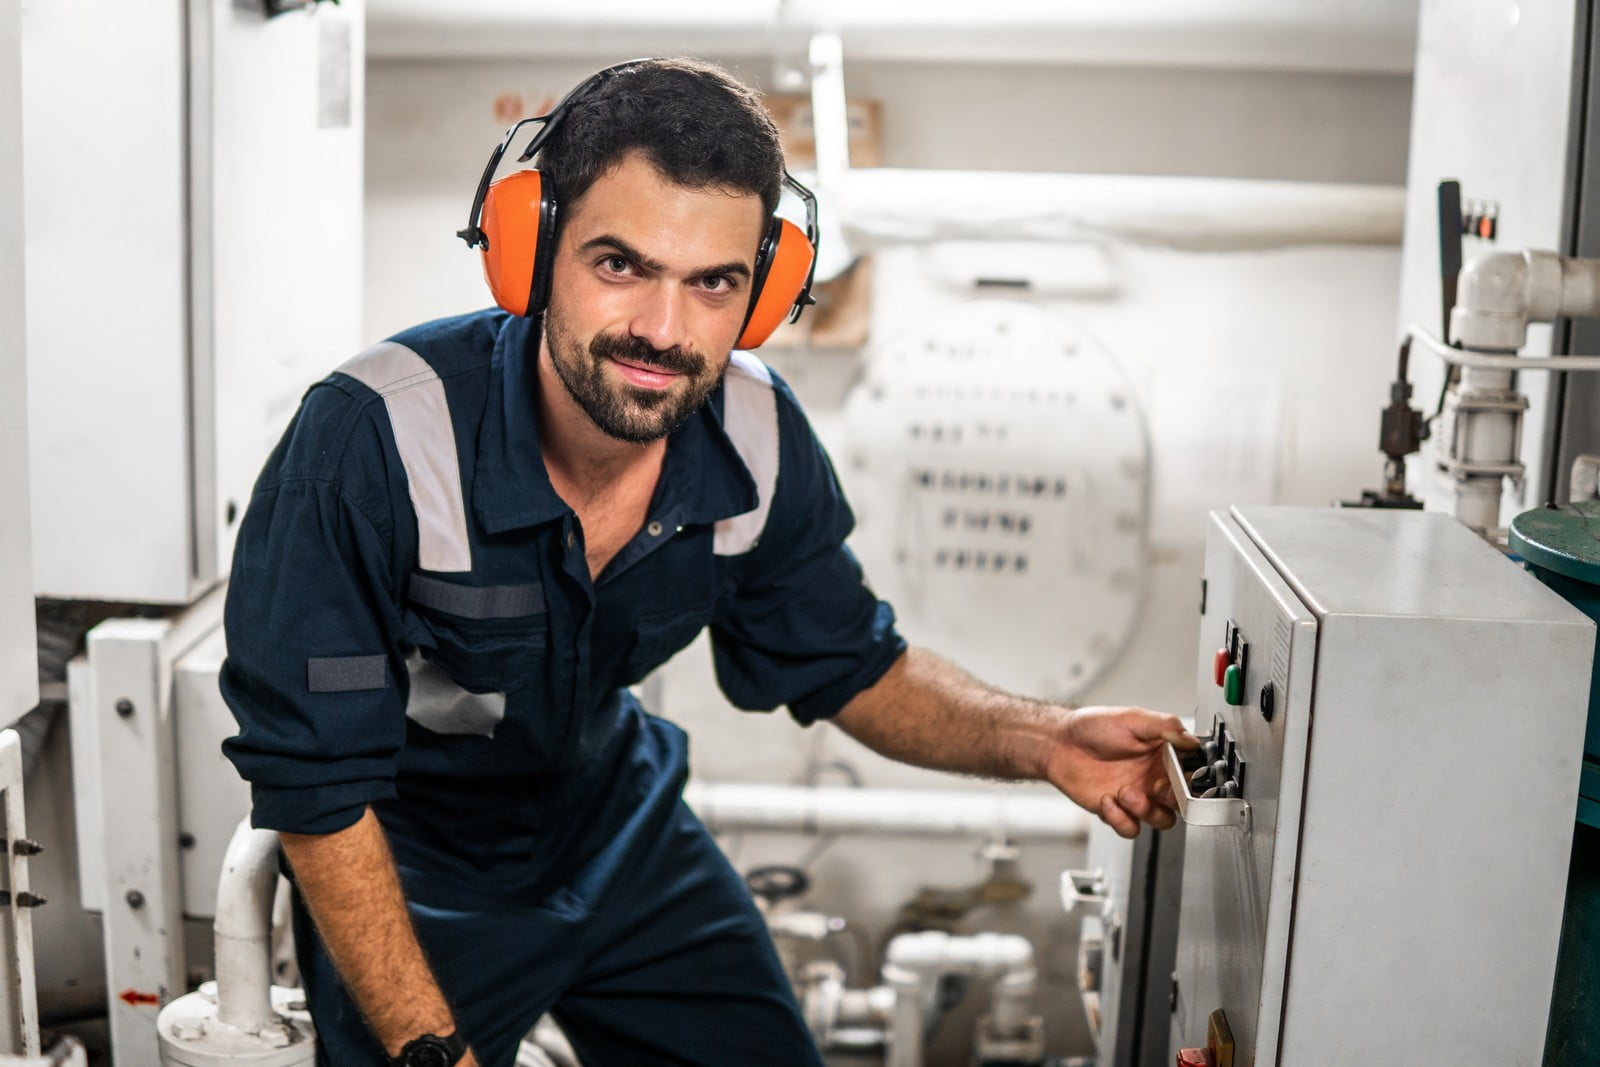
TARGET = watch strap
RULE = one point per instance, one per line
(424, 1051)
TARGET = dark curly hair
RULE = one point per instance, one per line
(692, 120)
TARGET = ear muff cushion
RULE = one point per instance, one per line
(780, 285)
(516, 211)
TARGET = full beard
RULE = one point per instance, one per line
(620, 409)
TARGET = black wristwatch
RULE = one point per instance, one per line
(432, 1051)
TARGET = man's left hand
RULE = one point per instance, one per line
(1108, 760)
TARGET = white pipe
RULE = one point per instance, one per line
(1467, 357)
(932, 953)
(1477, 503)
(1498, 295)
(885, 206)
(1372, 36)
(865, 1007)
(915, 961)
(907, 1020)
(1011, 1004)
(830, 121)
(839, 809)
(244, 929)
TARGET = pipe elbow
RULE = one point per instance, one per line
(1492, 302)
(249, 879)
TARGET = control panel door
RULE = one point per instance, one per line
(1241, 800)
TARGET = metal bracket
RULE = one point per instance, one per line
(19, 1002)
(1083, 894)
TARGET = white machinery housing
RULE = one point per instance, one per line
(179, 305)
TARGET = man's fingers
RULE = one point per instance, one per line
(1182, 740)
(1146, 808)
(1163, 817)
(1113, 816)
(1154, 726)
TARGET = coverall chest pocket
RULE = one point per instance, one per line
(476, 644)
(660, 636)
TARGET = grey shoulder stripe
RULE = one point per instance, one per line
(750, 417)
(346, 674)
(420, 416)
(477, 601)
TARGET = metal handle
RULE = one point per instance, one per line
(1083, 894)
(1218, 811)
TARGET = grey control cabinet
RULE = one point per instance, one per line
(1383, 880)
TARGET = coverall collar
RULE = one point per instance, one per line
(703, 479)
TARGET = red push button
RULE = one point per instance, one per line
(1219, 667)
(1196, 1057)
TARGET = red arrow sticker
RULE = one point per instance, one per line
(136, 998)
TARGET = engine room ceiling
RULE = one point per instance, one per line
(1372, 36)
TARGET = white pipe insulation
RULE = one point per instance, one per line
(244, 929)
(917, 812)
(886, 206)
(1498, 295)
(916, 961)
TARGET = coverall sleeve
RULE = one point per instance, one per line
(801, 627)
(315, 674)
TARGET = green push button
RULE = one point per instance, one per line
(1233, 686)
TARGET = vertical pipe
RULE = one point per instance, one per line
(830, 120)
(905, 1031)
(244, 929)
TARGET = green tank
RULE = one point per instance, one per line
(1561, 547)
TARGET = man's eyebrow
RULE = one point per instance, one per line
(617, 244)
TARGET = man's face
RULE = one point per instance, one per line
(651, 286)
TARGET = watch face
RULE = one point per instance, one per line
(427, 1052)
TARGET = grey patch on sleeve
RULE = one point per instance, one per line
(477, 601)
(347, 674)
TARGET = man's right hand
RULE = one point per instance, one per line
(349, 884)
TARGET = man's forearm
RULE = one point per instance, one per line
(349, 884)
(929, 712)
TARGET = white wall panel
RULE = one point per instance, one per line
(19, 688)
(103, 127)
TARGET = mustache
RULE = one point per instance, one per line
(676, 360)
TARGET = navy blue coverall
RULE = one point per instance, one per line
(412, 626)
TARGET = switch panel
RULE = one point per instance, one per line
(1334, 864)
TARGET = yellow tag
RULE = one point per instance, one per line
(1219, 1038)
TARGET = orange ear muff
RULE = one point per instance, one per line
(782, 268)
(518, 222)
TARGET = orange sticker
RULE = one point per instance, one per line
(508, 108)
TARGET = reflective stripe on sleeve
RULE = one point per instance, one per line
(420, 416)
(475, 601)
(750, 418)
(346, 674)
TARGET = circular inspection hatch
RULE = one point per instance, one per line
(998, 465)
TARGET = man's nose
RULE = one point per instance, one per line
(660, 320)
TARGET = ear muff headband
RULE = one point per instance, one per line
(513, 222)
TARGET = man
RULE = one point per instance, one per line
(475, 535)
